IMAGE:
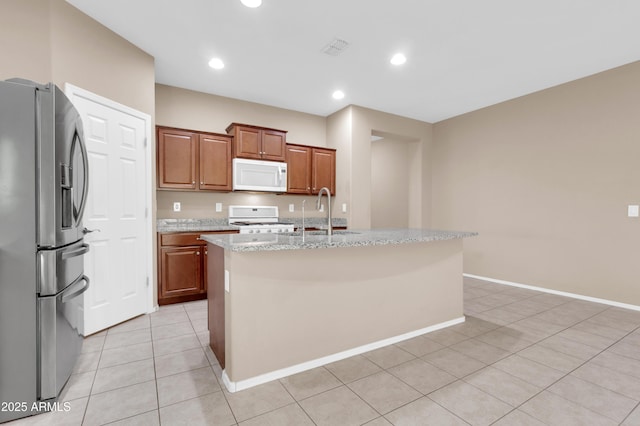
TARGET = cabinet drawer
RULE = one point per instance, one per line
(181, 239)
(188, 238)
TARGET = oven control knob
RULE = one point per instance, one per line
(268, 230)
(251, 231)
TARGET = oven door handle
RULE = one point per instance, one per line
(76, 289)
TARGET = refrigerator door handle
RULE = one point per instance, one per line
(83, 249)
(76, 289)
(85, 177)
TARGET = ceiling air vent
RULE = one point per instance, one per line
(335, 47)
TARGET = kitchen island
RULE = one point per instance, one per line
(282, 304)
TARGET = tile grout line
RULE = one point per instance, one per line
(298, 402)
(637, 407)
(565, 375)
(610, 316)
(222, 386)
(559, 379)
(155, 371)
(95, 374)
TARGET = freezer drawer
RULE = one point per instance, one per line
(58, 268)
(59, 342)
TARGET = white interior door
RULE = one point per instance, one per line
(119, 259)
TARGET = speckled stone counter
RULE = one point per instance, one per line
(193, 225)
(315, 222)
(300, 307)
(312, 240)
(222, 224)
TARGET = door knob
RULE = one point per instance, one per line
(86, 231)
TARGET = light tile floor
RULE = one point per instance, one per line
(521, 358)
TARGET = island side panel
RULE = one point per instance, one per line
(295, 306)
(215, 296)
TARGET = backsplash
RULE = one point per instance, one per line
(196, 205)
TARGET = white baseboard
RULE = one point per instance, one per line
(298, 368)
(559, 293)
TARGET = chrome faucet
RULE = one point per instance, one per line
(325, 189)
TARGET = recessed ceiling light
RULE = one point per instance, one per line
(252, 3)
(338, 94)
(216, 63)
(398, 59)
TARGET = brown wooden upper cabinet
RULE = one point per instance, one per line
(310, 168)
(259, 143)
(193, 161)
(323, 170)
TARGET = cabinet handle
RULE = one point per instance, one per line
(206, 253)
(198, 253)
(201, 183)
(193, 183)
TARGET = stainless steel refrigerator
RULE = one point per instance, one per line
(43, 192)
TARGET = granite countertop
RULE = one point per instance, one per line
(193, 225)
(222, 224)
(311, 240)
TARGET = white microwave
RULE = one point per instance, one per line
(258, 175)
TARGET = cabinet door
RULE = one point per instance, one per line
(323, 170)
(247, 142)
(205, 252)
(215, 163)
(177, 165)
(273, 145)
(181, 271)
(298, 169)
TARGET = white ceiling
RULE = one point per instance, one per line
(462, 54)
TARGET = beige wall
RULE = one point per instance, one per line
(25, 40)
(88, 55)
(546, 179)
(339, 126)
(50, 40)
(353, 127)
(389, 173)
(187, 109)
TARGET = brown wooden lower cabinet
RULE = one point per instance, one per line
(182, 266)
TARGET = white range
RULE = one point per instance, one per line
(257, 220)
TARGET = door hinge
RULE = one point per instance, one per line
(147, 282)
(145, 141)
(146, 212)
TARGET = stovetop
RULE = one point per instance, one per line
(262, 223)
